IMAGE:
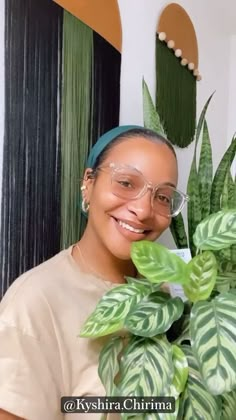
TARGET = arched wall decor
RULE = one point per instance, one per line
(101, 15)
(176, 74)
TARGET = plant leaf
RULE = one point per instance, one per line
(201, 120)
(111, 310)
(205, 171)
(151, 117)
(157, 263)
(228, 198)
(184, 334)
(220, 175)
(108, 363)
(194, 205)
(213, 338)
(201, 272)
(228, 406)
(180, 371)
(217, 231)
(178, 232)
(154, 314)
(193, 189)
(198, 403)
(146, 367)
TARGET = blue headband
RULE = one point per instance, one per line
(104, 140)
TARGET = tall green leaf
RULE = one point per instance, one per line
(194, 208)
(201, 272)
(178, 232)
(194, 204)
(157, 263)
(154, 314)
(228, 198)
(146, 367)
(200, 122)
(108, 363)
(205, 171)
(198, 403)
(151, 117)
(213, 338)
(217, 231)
(220, 175)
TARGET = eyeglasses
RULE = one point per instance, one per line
(129, 183)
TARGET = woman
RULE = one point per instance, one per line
(129, 193)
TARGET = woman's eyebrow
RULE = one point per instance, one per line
(170, 184)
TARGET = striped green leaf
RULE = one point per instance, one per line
(194, 205)
(228, 406)
(223, 282)
(178, 232)
(205, 170)
(201, 273)
(198, 403)
(157, 263)
(220, 175)
(154, 314)
(164, 416)
(217, 231)
(111, 310)
(213, 337)
(180, 371)
(150, 114)
(94, 329)
(146, 367)
(139, 281)
(108, 363)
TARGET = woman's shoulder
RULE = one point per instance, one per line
(30, 294)
(41, 275)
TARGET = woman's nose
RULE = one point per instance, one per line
(142, 206)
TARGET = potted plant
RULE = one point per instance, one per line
(173, 348)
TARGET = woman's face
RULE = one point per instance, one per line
(114, 222)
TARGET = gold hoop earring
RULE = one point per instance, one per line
(85, 206)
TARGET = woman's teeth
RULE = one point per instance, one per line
(128, 227)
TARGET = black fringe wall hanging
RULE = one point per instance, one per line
(176, 74)
(30, 210)
(106, 76)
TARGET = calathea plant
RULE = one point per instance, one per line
(173, 348)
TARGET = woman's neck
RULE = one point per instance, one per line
(94, 260)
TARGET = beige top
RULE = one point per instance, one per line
(41, 356)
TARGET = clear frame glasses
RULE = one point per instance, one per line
(129, 183)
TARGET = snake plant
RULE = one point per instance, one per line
(208, 194)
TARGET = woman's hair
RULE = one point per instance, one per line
(134, 132)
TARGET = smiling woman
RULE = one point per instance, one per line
(129, 193)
